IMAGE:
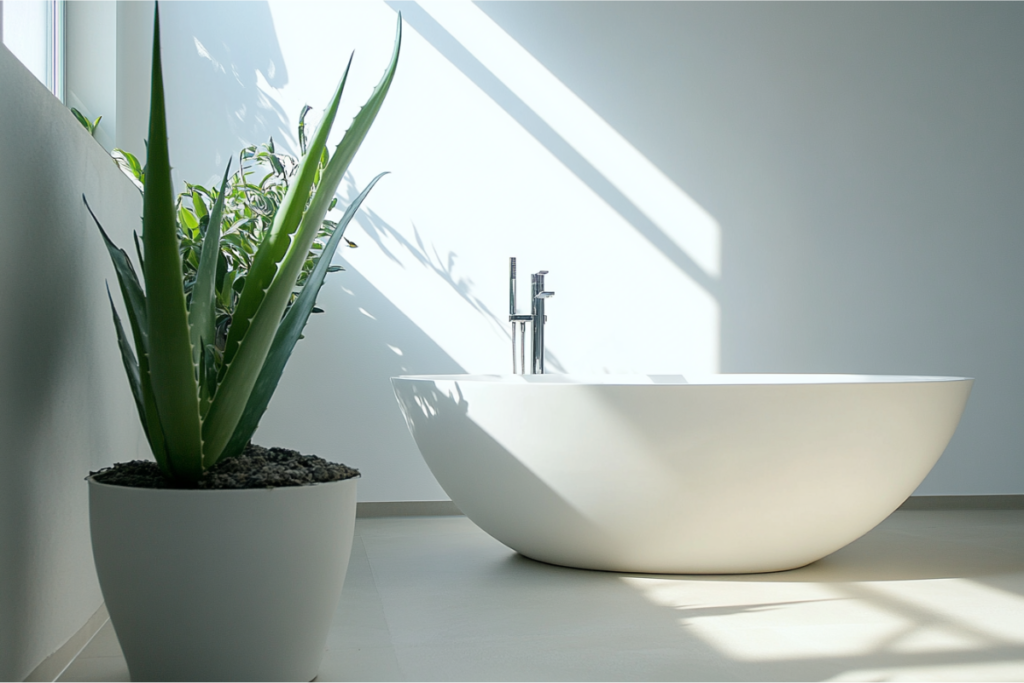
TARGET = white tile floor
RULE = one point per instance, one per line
(928, 595)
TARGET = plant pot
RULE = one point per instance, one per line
(220, 585)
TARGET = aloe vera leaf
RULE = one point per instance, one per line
(288, 334)
(356, 133)
(238, 379)
(275, 245)
(172, 373)
(135, 303)
(335, 171)
(138, 381)
(131, 365)
(208, 373)
(138, 253)
(128, 281)
(154, 429)
(202, 312)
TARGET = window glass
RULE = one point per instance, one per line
(34, 31)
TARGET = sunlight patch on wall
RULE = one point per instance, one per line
(469, 187)
(684, 221)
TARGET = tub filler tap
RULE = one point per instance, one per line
(536, 317)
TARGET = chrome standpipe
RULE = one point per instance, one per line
(539, 318)
(536, 317)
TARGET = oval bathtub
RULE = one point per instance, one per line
(653, 474)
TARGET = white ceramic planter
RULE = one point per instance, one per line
(222, 585)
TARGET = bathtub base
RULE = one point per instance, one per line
(682, 569)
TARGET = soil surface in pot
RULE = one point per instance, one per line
(256, 468)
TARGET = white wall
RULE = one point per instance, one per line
(65, 406)
(738, 187)
(91, 65)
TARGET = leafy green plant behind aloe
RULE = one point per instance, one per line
(252, 196)
(89, 125)
(199, 403)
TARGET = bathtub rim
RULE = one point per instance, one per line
(721, 379)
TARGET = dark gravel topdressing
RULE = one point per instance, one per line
(256, 468)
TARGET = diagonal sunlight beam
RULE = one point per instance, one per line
(689, 227)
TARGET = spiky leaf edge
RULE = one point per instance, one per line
(288, 334)
(202, 312)
(135, 304)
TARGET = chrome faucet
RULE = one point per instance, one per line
(536, 317)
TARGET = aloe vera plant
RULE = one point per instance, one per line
(199, 403)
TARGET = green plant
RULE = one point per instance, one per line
(252, 197)
(199, 403)
(89, 125)
(131, 167)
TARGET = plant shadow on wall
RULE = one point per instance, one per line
(223, 49)
(380, 231)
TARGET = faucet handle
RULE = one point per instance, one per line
(544, 295)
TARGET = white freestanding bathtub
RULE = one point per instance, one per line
(725, 474)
